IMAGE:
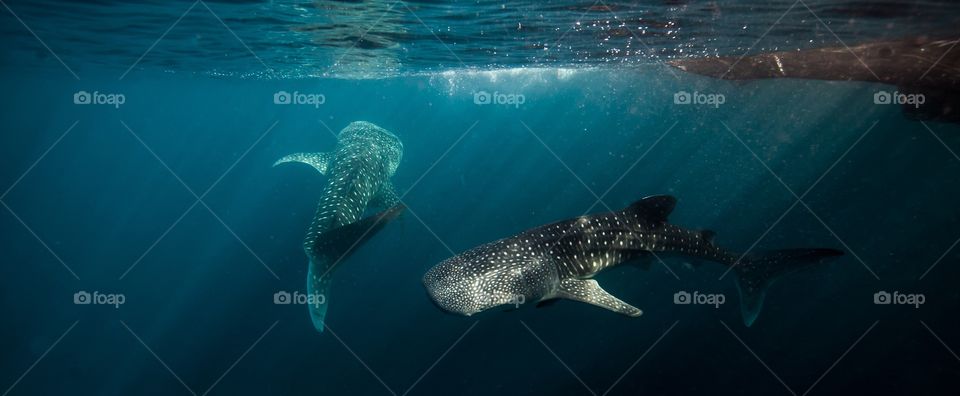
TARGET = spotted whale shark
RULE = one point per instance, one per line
(558, 260)
(358, 174)
(915, 65)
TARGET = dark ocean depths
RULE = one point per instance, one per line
(168, 203)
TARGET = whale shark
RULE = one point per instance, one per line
(915, 65)
(358, 174)
(558, 260)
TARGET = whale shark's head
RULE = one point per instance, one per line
(369, 134)
(483, 278)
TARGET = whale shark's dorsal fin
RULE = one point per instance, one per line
(320, 161)
(708, 235)
(590, 292)
(654, 208)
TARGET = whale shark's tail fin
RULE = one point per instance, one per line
(331, 247)
(756, 272)
(318, 284)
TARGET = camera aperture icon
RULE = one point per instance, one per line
(282, 97)
(281, 298)
(482, 98)
(81, 298)
(81, 97)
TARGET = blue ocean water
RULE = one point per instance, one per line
(169, 202)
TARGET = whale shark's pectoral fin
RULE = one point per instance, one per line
(589, 291)
(320, 161)
(386, 197)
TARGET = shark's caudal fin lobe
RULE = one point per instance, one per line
(342, 241)
(755, 273)
(318, 284)
(319, 161)
(654, 208)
